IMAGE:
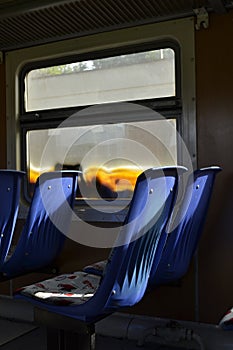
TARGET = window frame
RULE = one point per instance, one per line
(48, 118)
(113, 52)
(156, 34)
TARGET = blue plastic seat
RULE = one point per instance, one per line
(226, 322)
(48, 218)
(74, 302)
(178, 245)
(185, 229)
(10, 181)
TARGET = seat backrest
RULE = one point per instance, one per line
(10, 181)
(48, 220)
(128, 268)
(184, 231)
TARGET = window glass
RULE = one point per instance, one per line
(111, 156)
(128, 77)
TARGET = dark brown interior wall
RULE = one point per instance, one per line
(2, 117)
(4, 287)
(214, 87)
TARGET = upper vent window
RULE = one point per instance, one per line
(128, 77)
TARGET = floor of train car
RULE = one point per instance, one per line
(17, 335)
(21, 336)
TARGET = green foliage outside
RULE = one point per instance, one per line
(104, 63)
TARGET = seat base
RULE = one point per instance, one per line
(65, 333)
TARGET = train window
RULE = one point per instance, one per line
(109, 104)
(143, 77)
(127, 77)
(109, 156)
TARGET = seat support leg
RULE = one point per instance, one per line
(61, 339)
(65, 333)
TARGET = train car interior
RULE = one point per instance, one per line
(116, 182)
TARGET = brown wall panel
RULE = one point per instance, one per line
(214, 84)
(2, 117)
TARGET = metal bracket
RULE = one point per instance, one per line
(1, 57)
(202, 18)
